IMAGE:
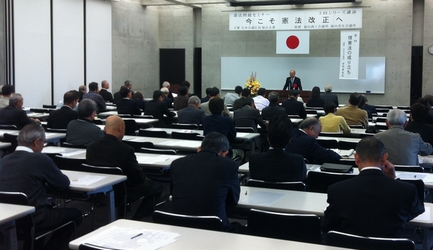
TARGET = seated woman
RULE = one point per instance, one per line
(315, 99)
(277, 164)
(331, 122)
(139, 99)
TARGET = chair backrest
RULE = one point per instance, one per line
(130, 126)
(339, 239)
(298, 227)
(245, 129)
(40, 110)
(356, 126)
(68, 163)
(420, 188)
(407, 168)
(158, 151)
(87, 246)
(327, 143)
(320, 181)
(46, 106)
(56, 130)
(69, 145)
(143, 116)
(12, 139)
(7, 126)
(201, 222)
(100, 169)
(381, 119)
(295, 185)
(186, 136)
(149, 133)
(347, 145)
(184, 125)
(137, 145)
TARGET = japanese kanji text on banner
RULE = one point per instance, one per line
(315, 19)
(349, 54)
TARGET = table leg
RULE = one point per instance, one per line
(9, 230)
(111, 206)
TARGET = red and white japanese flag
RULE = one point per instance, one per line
(293, 42)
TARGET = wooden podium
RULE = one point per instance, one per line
(284, 94)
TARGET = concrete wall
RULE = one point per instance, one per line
(428, 40)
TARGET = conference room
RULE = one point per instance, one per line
(52, 47)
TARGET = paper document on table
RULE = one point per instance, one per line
(152, 159)
(345, 153)
(262, 198)
(57, 150)
(182, 143)
(127, 238)
(84, 180)
(76, 152)
(424, 216)
(411, 175)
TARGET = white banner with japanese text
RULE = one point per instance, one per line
(314, 19)
(349, 54)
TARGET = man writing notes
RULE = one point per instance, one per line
(372, 203)
(293, 82)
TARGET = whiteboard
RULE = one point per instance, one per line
(313, 71)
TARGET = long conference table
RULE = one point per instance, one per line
(49, 136)
(9, 213)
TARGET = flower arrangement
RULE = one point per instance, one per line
(253, 84)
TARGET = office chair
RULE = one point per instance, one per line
(339, 239)
(320, 181)
(159, 134)
(186, 136)
(298, 227)
(25, 226)
(409, 168)
(12, 139)
(158, 151)
(327, 143)
(182, 220)
(294, 185)
(7, 126)
(137, 145)
(184, 126)
(68, 163)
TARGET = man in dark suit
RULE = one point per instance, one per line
(217, 122)
(158, 108)
(372, 203)
(304, 142)
(293, 82)
(191, 114)
(13, 114)
(181, 101)
(328, 96)
(108, 97)
(417, 124)
(126, 105)
(277, 164)
(94, 95)
(60, 118)
(292, 106)
(111, 151)
(239, 103)
(273, 109)
(117, 96)
(206, 189)
(248, 116)
(167, 99)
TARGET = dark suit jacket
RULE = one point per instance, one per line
(127, 106)
(273, 110)
(205, 99)
(60, 118)
(316, 102)
(117, 97)
(190, 115)
(168, 101)
(289, 85)
(371, 204)
(293, 107)
(221, 124)
(108, 97)
(308, 147)
(277, 165)
(204, 189)
(180, 102)
(423, 129)
(329, 97)
(158, 109)
(11, 115)
(248, 117)
(239, 103)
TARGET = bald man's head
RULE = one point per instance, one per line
(114, 125)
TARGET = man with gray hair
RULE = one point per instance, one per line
(206, 182)
(273, 109)
(13, 114)
(191, 114)
(167, 100)
(108, 97)
(29, 171)
(166, 84)
(83, 131)
(304, 143)
(402, 146)
(328, 96)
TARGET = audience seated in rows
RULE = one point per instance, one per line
(126, 105)
(95, 96)
(111, 151)
(167, 85)
(191, 114)
(304, 142)
(315, 100)
(60, 118)
(328, 96)
(108, 97)
(7, 91)
(248, 116)
(260, 101)
(158, 108)
(230, 98)
(214, 92)
(293, 106)
(167, 99)
(239, 103)
(417, 124)
(402, 146)
(352, 114)
(83, 131)
(206, 189)
(181, 101)
(29, 171)
(372, 203)
(273, 109)
(13, 114)
(278, 165)
(331, 122)
(117, 96)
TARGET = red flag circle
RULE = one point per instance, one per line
(292, 42)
